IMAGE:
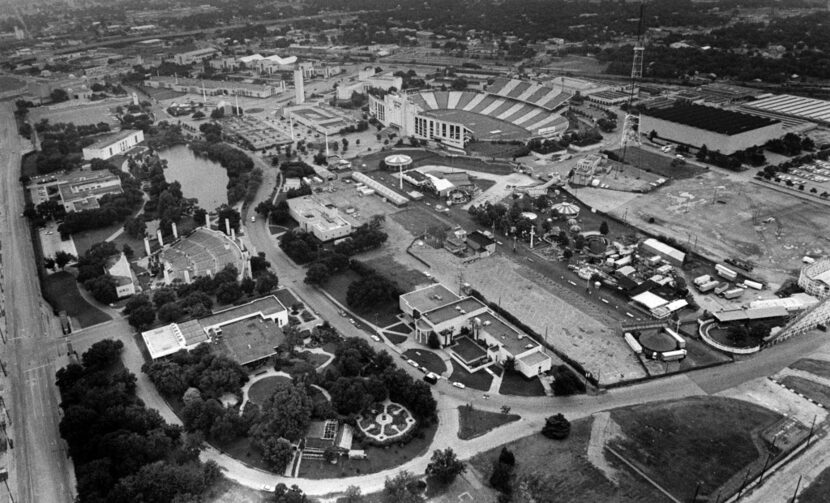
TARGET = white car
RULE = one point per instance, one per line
(459, 385)
(376, 338)
(413, 363)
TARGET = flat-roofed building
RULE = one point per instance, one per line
(172, 338)
(190, 57)
(76, 190)
(320, 219)
(716, 128)
(426, 299)
(266, 308)
(114, 144)
(211, 87)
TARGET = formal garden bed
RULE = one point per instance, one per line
(386, 422)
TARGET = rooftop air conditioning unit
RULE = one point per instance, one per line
(486, 323)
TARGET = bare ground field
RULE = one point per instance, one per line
(101, 111)
(720, 216)
(564, 471)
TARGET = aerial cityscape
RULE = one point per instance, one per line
(494, 251)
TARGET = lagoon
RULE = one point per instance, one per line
(200, 177)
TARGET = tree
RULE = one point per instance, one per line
(318, 274)
(135, 227)
(566, 382)
(445, 466)
(433, 341)
(62, 258)
(284, 494)
(128, 251)
(266, 282)
(163, 296)
(277, 453)
(506, 456)
(142, 317)
(603, 228)
(102, 354)
(233, 217)
(509, 364)
(353, 494)
(738, 336)
(500, 478)
(102, 289)
(169, 312)
(557, 427)
(702, 153)
(59, 95)
(169, 379)
(285, 414)
(399, 489)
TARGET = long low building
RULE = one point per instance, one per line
(211, 87)
(810, 109)
(718, 129)
(77, 190)
(114, 144)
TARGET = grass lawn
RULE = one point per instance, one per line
(475, 423)
(481, 380)
(61, 291)
(287, 298)
(565, 471)
(820, 368)
(813, 390)
(417, 221)
(705, 439)
(395, 338)
(262, 390)
(818, 490)
(659, 164)
(315, 359)
(405, 277)
(29, 165)
(428, 359)
(514, 383)
(378, 458)
(85, 240)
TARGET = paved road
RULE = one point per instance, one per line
(39, 471)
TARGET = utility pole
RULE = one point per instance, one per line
(795, 494)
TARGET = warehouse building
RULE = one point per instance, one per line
(809, 109)
(720, 130)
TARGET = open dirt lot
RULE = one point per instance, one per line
(721, 216)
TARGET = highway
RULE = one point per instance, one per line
(39, 471)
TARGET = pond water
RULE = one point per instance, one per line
(200, 177)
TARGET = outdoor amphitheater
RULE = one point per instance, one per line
(203, 252)
(510, 109)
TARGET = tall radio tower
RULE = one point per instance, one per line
(630, 133)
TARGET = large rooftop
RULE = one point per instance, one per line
(795, 106)
(249, 340)
(711, 119)
(264, 307)
(112, 138)
(453, 310)
(514, 342)
(430, 297)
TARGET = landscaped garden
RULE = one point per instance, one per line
(386, 422)
(514, 383)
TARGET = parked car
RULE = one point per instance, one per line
(459, 385)
(431, 378)
(413, 363)
(376, 338)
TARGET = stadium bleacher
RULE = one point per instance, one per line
(202, 252)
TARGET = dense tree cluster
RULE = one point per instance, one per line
(370, 290)
(166, 201)
(445, 466)
(304, 248)
(566, 382)
(212, 374)
(92, 271)
(123, 452)
(243, 178)
(556, 427)
(61, 144)
(195, 299)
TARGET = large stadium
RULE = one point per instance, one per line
(509, 109)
